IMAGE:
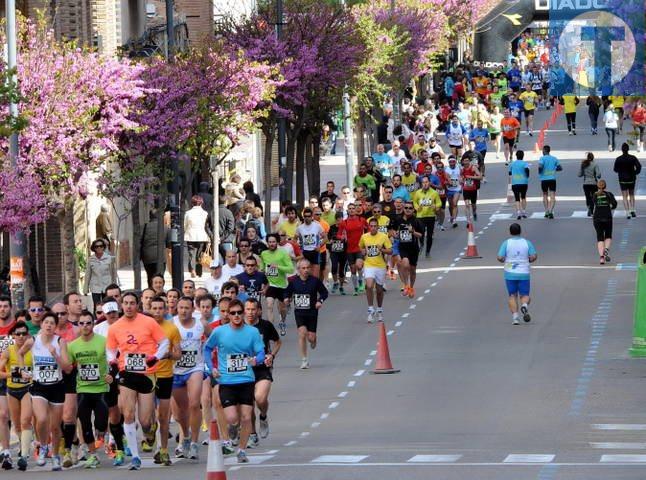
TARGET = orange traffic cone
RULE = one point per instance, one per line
(536, 149)
(472, 250)
(384, 365)
(215, 461)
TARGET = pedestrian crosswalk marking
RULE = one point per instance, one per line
(619, 445)
(339, 458)
(627, 266)
(501, 216)
(434, 458)
(253, 459)
(619, 426)
(623, 458)
(537, 215)
(580, 214)
(528, 458)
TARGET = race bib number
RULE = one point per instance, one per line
(5, 342)
(337, 246)
(237, 363)
(454, 182)
(271, 271)
(255, 294)
(302, 301)
(16, 374)
(188, 359)
(468, 182)
(47, 373)
(309, 240)
(373, 250)
(89, 372)
(405, 236)
(135, 362)
(383, 228)
(425, 202)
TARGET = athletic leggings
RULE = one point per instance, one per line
(571, 121)
(429, 226)
(88, 403)
(338, 260)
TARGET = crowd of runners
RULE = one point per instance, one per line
(76, 381)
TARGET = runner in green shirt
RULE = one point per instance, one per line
(92, 382)
(276, 264)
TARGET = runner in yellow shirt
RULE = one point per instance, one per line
(530, 100)
(374, 246)
(427, 203)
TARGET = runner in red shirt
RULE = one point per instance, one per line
(470, 178)
(445, 180)
(354, 226)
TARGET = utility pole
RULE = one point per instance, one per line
(396, 95)
(175, 198)
(17, 240)
(282, 126)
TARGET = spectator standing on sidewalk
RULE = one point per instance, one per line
(101, 271)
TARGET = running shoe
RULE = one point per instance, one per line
(22, 464)
(404, 291)
(227, 448)
(145, 446)
(282, 327)
(205, 442)
(411, 292)
(119, 458)
(126, 450)
(242, 457)
(305, 364)
(7, 463)
(253, 441)
(442, 228)
(92, 462)
(475, 217)
(606, 254)
(80, 453)
(552, 215)
(42, 455)
(67, 459)
(194, 451)
(164, 458)
(519, 217)
(526, 316)
(524, 215)
(186, 447)
(335, 288)
(455, 225)
(356, 291)
(313, 344)
(263, 427)
(341, 291)
(633, 213)
(547, 215)
(380, 316)
(362, 287)
(371, 317)
(179, 452)
(135, 464)
(602, 260)
(56, 463)
(515, 321)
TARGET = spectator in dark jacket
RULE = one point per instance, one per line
(251, 195)
(148, 247)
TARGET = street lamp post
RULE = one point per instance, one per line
(282, 125)
(348, 141)
(17, 240)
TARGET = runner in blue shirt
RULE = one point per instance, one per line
(240, 347)
(399, 190)
(479, 137)
(384, 162)
(519, 175)
(517, 253)
(515, 77)
(548, 165)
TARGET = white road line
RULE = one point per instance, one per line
(434, 458)
(625, 458)
(390, 332)
(619, 445)
(272, 452)
(456, 259)
(412, 307)
(315, 425)
(333, 405)
(305, 434)
(351, 383)
(398, 324)
(619, 426)
(434, 284)
(253, 459)
(440, 277)
(579, 214)
(324, 415)
(367, 362)
(462, 253)
(480, 232)
(289, 444)
(452, 265)
(528, 458)
(537, 215)
(419, 299)
(373, 353)
(342, 394)
(358, 373)
(405, 315)
(500, 216)
(428, 290)
(339, 458)
(629, 462)
(485, 228)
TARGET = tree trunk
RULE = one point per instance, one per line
(160, 205)
(358, 140)
(269, 143)
(314, 179)
(289, 167)
(70, 267)
(309, 154)
(136, 242)
(301, 148)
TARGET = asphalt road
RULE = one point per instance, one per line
(476, 397)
